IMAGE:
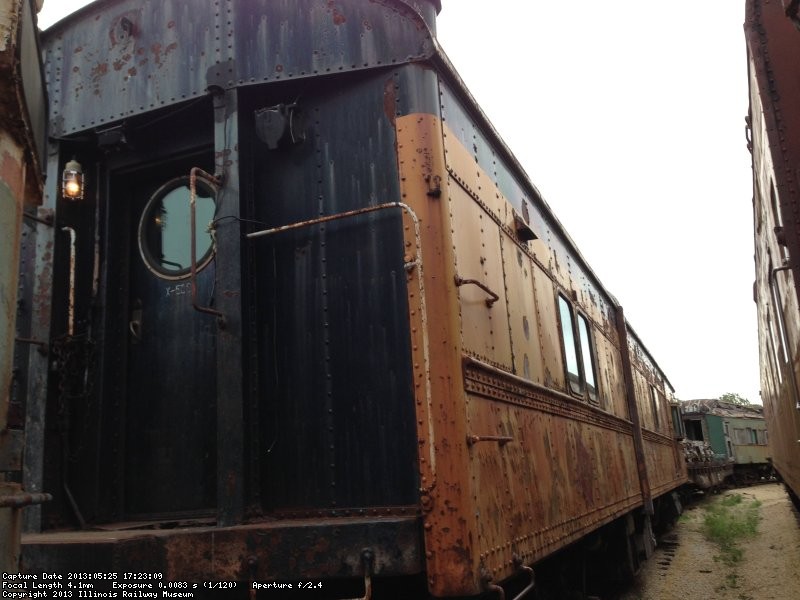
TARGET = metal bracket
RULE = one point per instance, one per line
(368, 560)
(41, 347)
(489, 301)
(500, 439)
(491, 587)
(434, 186)
(523, 230)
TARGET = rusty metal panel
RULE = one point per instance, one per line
(9, 530)
(119, 58)
(546, 468)
(612, 390)
(22, 108)
(12, 187)
(33, 87)
(40, 310)
(484, 317)
(481, 165)
(523, 324)
(281, 550)
(11, 444)
(549, 340)
(773, 47)
(452, 562)
(464, 169)
(666, 469)
(20, 183)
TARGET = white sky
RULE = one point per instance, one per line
(629, 118)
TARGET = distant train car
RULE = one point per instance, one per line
(737, 436)
(311, 319)
(773, 137)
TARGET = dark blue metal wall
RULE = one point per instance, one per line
(338, 423)
(118, 58)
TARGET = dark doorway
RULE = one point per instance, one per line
(170, 405)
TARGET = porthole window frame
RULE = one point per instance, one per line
(150, 261)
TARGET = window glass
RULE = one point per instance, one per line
(676, 421)
(779, 312)
(570, 351)
(654, 405)
(587, 355)
(165, 229)
(742, 436)
(773, 347)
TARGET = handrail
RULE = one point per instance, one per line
(489, 301)
(71, 309)
(417, 262)
(193, 174)
(23, 499)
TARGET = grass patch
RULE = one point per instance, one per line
(729, 520)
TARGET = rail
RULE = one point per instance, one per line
(193, 174)
(489, 301)
(23, 500)
(500, 439)
(71, 313)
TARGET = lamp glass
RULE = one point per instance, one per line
(72, 181)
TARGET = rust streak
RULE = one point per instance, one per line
(99, 70)
(338, 17)
(156, 50)
(390, 100)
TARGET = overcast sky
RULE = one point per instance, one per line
(629, 118)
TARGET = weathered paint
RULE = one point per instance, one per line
(123, 57)
(12, 169)
(445, 495)
(543, 467)
(280, 550)
(773, 128)
(21, 133)
(510, 464)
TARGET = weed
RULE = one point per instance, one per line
(727, 521)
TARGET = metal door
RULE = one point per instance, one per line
(170, 433)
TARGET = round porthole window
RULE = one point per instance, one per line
(165, 228)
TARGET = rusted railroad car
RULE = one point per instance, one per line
(312, 320)
(773, 137)
(22, 126)
(736, 436)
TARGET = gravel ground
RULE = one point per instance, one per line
(683, 567)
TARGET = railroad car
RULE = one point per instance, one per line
(311, 320)
(22, 126)
(773, 138)
(736, 434)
